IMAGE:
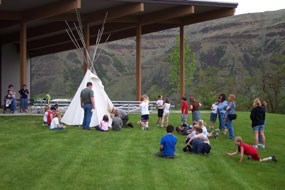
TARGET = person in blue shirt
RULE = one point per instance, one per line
(167, 144)
(230, 109)
(223, 103)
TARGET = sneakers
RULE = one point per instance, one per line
(274, 159)
(262, 146)
(255, 146)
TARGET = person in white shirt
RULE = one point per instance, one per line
(55, 123)
(166, 111)
(45, 115)
(214, 113)
(144, 112)
(159, 105)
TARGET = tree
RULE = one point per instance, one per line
(273, 85)
(174, 67)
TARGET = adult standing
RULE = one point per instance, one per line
(222, 111)
(195, 109)
(257, 117)
(24, 93)
(87, 103)
(230, 109)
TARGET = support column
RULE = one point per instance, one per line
(23, 54)
(138, 62)
(87, 41)
(182, 64)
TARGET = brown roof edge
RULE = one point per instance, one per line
(188, 2)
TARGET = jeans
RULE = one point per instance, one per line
(23, 103)
(87, 116)
(222, 121)
(230, 128)
(14, 105)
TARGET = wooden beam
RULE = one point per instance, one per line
(201, 17)
(116, 35)
(87, 41)
(10, 15)
(138, 62)
(23, 54)
(115, 12)
(50, 10)
(167, 14)
(40, 31)
(182, 63)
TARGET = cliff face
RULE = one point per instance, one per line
(240, 54)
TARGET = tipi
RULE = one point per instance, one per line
(74, 113)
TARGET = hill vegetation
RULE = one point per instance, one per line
(243, 54)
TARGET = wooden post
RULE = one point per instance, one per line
(182, 64)
(138, 62)
(86, 64)
(23, 54)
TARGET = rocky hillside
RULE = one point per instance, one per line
(243, 54)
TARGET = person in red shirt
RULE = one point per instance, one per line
(246, 149)
(50, 115)
(184, 110)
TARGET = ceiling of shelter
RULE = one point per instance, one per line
(46, 19)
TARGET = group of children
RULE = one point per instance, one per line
(163, 111)
(197, 139)
(197, 136)
(52, 118)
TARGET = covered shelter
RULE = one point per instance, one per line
(31, 28)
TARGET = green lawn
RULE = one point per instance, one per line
(33, 157)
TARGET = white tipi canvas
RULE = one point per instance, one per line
(74, 113)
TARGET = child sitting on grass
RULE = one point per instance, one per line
(104, 124)
(117, 123)
(167, 144)
(46, 110)
(198, 143)
(55, 123)
(250, 151)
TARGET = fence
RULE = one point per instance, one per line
(128, 106)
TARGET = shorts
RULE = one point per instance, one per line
(184, 118)
(258, 128)
(144, 118)
(255, 157)
(165, 113)
(213, 117)
(159, 112)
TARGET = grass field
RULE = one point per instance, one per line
(33, 157)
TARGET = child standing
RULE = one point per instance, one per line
(167, 144)
(159, 105)
(104, 124)
(246, 149)
(166, 111)
(55, 123)
(184, 110)
(144, 112)
(257, 117)
(214, 113)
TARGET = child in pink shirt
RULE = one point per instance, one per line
(104, 124)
